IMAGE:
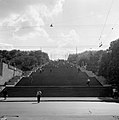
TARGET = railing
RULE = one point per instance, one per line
(60, 91)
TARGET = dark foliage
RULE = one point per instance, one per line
(104, 63)
(24, 60)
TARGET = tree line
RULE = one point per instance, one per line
(103, 62)
(24, 60)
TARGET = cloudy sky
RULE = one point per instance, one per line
(25, 25)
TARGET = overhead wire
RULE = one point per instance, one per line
(100, 45)
(12, 27)
(113, 27)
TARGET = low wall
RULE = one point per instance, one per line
(8, 72)
(101, 79)
(61, 91)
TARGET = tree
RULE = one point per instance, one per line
(24, 60)
(89, 58)
(109, 65)
(25, 63)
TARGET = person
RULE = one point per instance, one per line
(38, 95)
(50, 70)
(115, 93)
(88, 82)
(5, 94)
(31, 79)
(78, 69)
(40, 70)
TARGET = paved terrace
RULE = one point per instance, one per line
(57, 108)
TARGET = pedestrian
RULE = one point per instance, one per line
(5, 94)
(38, 95)
(40, 70)
(31, 79)
(78, 69)
(88, 82)
(50, 70)
(115, 93)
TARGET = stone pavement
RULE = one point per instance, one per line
(59, 108)
(61, 118)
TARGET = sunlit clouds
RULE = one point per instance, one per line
(25, 24)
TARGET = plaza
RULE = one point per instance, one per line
(53, 108)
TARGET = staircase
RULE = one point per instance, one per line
(62, 81)
(101, 79)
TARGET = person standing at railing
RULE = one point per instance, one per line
(115, 93)
(38, 95)
(5, 94)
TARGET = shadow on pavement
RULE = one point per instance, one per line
(108, 99)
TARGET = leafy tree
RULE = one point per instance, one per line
(104, 64)
(89, 58)
(109, 64)
(24, 60)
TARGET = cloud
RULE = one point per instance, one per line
(69, 40)
(58, 7)
(8, 7)
(65, 44)
(23, 23)
(100, 16)
(49, 7)
(5, 46)
(32, 36)
(29, 20)
(27, 16)
(50, 12)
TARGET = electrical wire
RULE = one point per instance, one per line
(114, 26)
(12, 28)
(105, 22)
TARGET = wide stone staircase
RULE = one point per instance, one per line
(58, 79)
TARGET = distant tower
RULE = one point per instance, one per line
(76, 50)
(76, 55)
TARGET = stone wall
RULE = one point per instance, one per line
(61, 91)
(8, 72)
(101, 79)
